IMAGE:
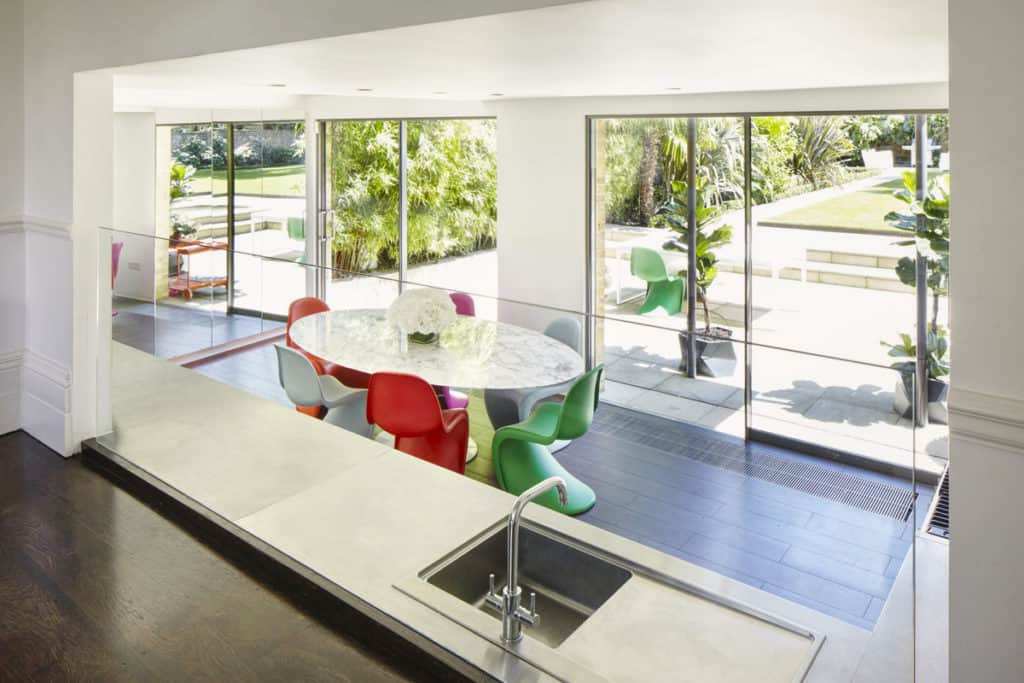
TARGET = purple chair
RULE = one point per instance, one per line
(115, 261)
(464, 305)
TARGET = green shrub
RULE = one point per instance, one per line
(822, 147)
(451, 196)
(772, 146)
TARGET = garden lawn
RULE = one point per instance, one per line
(279, 181)
(863, 210)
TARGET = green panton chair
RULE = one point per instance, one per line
(519, 451)
(662, 289)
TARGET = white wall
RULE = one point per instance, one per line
(12, 238)
(62, 38)
(542, 176)
(987, 401)
(134, 205)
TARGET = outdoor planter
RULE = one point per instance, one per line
(877, 158)
(938, 393)
(716, 355)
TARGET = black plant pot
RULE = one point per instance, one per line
(937, 389)
(716, 355)
(938, 393)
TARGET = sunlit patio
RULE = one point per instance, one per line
(822, 301)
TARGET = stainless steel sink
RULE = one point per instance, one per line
(570, 583)
(576, 581)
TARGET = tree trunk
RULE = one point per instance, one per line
(648, 170)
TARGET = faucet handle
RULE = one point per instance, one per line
(492, 599)
(529, 616)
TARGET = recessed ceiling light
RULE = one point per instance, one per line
(497, 94)
(440, 92)
(673, 88)
(277, 85)
(364, 89)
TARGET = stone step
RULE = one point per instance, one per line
(853, 259)
(210, 230)
(863, 277)
(840, 274)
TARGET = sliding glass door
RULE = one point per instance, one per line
(267, 177)
(834, 364)
(363, 176)
(236, 213)
(654, 178)
(811, 291)
(410, 202)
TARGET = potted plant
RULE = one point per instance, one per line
(715, 353)
(928, 222)
(938, 367)
(181, 231)
(181, 181)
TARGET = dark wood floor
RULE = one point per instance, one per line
(95, 585)
(823, 554)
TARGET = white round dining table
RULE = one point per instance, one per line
(471, 354)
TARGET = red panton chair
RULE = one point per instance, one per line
(310, 305)
(406, 406)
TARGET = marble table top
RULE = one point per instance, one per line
(471, 354)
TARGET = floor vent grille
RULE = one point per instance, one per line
(879, 497)
(938, 524)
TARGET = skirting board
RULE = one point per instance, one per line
(37, 224)
(35, 395)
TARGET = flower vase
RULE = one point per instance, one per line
(424, 337)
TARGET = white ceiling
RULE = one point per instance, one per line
(606, 47)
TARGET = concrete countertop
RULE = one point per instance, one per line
(366, 518)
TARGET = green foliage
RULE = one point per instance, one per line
(928, 222)
(906, 351)
(718, 158)
(821, 149)
(181, 180)
(881, 131)
(624, 150)
(205, 146)
(710, 235)
(453, 181)
(200, 146)
(772, 146)
(451, 194)
(364, 183)
(789, 156)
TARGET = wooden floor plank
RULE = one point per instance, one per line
(96, 585)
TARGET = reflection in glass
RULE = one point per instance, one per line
(642, 223)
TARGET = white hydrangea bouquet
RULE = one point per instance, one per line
(422, 314)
